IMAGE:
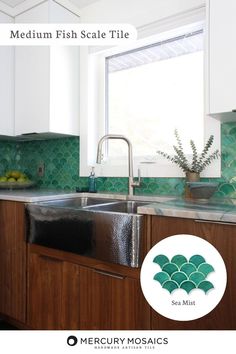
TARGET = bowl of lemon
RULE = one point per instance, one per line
(15, 180)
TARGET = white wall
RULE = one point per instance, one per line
(6, 84)
(136, 12)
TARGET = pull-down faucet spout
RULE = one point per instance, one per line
(132, 183)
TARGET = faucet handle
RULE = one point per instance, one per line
(138, 182)
(139, 176)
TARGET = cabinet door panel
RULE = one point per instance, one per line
(12, 260)
(53, 293)
(45, 292)
(70, 297)
(222, 55)
(111, 302)
(46, 78)
(223, 238)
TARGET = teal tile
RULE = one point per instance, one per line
(61, 158)
(227, 189)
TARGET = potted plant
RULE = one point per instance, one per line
(198, 162)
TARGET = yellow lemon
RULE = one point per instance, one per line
(3, 179)
(21, 180)
(15, 174)
(11, 179)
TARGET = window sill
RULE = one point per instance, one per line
(147, 170)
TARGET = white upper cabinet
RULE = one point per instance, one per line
(6, 85)
(222, 59)
(47, 79)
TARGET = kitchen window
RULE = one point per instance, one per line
(145, 92)
(152, 90)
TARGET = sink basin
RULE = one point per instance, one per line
(103, 229)
(75, 203)
(127, 207)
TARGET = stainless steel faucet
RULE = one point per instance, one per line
(132, 183)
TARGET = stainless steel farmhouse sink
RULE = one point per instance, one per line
(107, 230)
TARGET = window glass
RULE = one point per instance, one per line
(153, 90)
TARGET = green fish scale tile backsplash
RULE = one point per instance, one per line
(61, 159)
(60, 156)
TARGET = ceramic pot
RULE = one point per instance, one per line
(190, 177)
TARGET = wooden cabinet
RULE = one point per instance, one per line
(12, 260)
(111, 301)
(67, 291)
(45, 297)
(222, 58)
(63, 294)
(53, 293)
(223, 237)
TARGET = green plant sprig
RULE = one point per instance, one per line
(199, 161)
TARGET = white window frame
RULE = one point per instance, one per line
(92, 104)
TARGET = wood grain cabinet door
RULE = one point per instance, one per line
(71, 296)
(12, 260)
(53, 293)
(111, 302)
(45, 292)
(63, 295)
(223, 237)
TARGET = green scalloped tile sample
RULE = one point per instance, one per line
(206, 268)
(197, 260)
(188, 286)
(170, 285)
(161, 260)
(179, 277)
(197, 277)
(188, 268)
(205, 286)
(161, 277)
(179, 260)
(192, 273)
(170, 268)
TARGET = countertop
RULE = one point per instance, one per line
(34, 195)
(37, 195)
(223, 210)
